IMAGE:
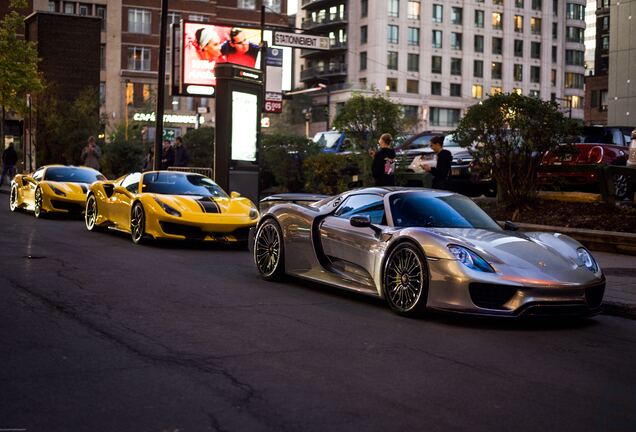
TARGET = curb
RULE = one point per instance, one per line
(618, 309)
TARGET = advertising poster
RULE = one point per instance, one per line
(206, 45)
(244, 126)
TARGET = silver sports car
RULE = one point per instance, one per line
(426, 249)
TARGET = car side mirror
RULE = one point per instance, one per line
(511, 226)
(360, 221)
(234, 194)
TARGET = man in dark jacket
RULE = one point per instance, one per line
(384, 162)
(9, 159)
(168, 155)
(441, 172)
(181, 157)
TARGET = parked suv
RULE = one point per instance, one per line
(603, 145)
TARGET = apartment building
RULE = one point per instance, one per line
(597, 37)
(437, 58)
(621, 101)
(130, 52)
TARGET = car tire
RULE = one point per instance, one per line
(90, 214)
(269, 250)
(13, 198)
(138, 223)
(405, 280)
(37, 203)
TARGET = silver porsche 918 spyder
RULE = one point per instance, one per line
(426, 249)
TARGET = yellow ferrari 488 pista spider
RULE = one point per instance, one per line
(170, 205)
(53, 189)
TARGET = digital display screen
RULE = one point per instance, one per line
(244, 126)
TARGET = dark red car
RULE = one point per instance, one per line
(603, 145)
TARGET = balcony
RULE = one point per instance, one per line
(310, 3)
(326, 71)
(331, 19)
(333, 45)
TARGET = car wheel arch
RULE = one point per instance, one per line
(395, 244)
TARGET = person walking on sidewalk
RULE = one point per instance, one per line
(383, 166)
(91, 154)
(181, 157)
(9, 159)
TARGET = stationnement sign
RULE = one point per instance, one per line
(296, 40)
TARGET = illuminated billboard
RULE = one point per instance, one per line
(203, 46)
(244, 126)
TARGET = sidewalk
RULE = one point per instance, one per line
(620, 291)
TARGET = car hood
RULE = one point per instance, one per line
(203, 204)
(70, 188)
(523, 257)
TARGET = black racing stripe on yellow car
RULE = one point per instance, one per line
(208, 205)
(218, 208)
(200, 205)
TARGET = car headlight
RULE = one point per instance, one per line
(253, 213)
(584, 259)
(168, 209)
(57, 190)
(470, 259)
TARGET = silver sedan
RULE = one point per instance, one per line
(426, 249)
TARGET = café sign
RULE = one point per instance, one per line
(168, 118)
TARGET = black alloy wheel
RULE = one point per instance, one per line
(268, 250)
(138, 224)
(13, 198)
(37, 205)
(405, 280)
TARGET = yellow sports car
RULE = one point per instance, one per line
(169, 205)
(53, 189)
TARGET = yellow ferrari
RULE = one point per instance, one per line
(169, 205)
(52, 189)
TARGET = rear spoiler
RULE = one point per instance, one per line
(292, 198)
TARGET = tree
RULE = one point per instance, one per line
(120, 155)
(18, 64)
(509, 133)
(281, 158)
(365, 118)
(200, 145)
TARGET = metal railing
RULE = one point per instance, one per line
(208, 172)
(323, 71)
(327, 20)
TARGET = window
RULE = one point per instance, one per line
(574, 34)
(518, 48)
(456, 66)
(272, 5)
(478, 68)
(363, 83)
(102, 57)
(414, 8)
(535, 25)
(497, 21)
(363, 34)
(497, 45)
(364, 8)
(495, 90)
(573, 80)
(535, 50)
(535, 94)
(605, 23)
(372, 205)
(100, 11)
(392, 34)
(436, 64)
(412, 86)
(392, 60)
(478, 91)
(391, 84)
(456, 90)
(444, 116)
(411, 111)
(246, 4)
(456, 15)
(436, 88)
(363, 60)
(479, 18)
(437, 39)
(575, 11)
(394, 8)
(537, 4)
(456, 41)
(414, 36)
(518, 72)
(535, 74)
(199, 18)
(438, 13)
(555, 7)
(497, 2)
(518, 23)
(69, 8)
(139, 21)
(85, 9)
(479, 43)
(553, 78)
(102, 93)
(413, 62)
(517, 91)
(53, 5)
(139, 58)
(495, 70)
(605, 42)
(519, 4)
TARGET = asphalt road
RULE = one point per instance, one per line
(100, 335)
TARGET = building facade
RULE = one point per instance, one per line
(438, 58)
(621, 101)
(597, 37)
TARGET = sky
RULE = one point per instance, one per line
(292, 6)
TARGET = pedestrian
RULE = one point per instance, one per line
(168, 155)
(383, 167)
(441, 172)
(181, 157)
(91, 154)
(149, 160)
(9, 159)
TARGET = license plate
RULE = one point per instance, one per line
(455, 171)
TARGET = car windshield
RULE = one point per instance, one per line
(73, 175)
(170, 183)
(421, 209)
(449, 141)
(327, 139)
(420, 142)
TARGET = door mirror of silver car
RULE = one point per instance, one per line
(511, 226)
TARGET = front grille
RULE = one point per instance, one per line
(68, 206)
(594, 295)
(491, 296)
(196, 233)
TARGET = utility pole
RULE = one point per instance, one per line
(161, 85)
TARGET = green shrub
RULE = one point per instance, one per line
(327, 173)
(122, 156)
(281, 160)
(200, 146)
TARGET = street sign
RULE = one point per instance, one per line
(274, 57)
(274, 107)
(296, 40)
